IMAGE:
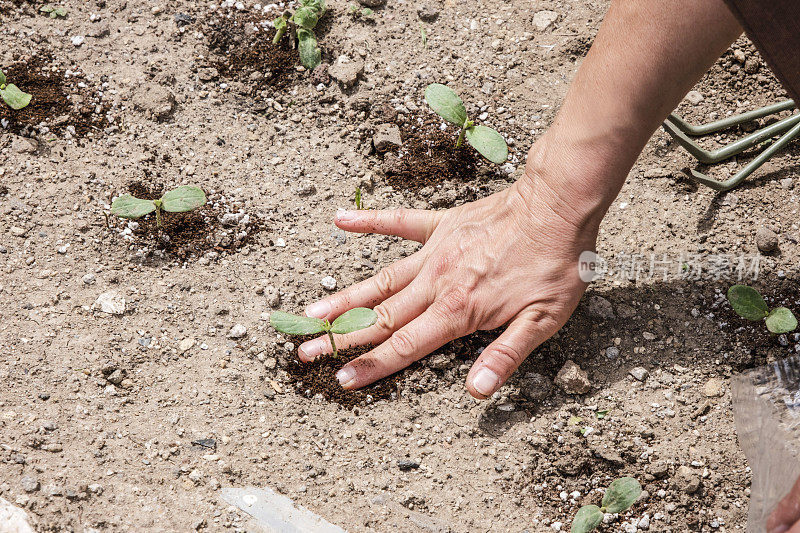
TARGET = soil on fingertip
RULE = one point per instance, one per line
(57, 103)
(241, 49)
(193, 233)
(319, 377)
(429, 155)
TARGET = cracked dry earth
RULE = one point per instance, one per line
(132, 420)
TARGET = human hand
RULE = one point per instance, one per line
(508, 259)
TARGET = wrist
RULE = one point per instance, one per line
(577, 176)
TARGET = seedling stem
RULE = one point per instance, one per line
(352, 320)
(467, 125)
(448, 105)
(333, 343)
(178, 200)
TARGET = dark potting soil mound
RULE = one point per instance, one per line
(429, 155)
(319, 377)
(58, 103)
(243, 53)
(191, 234)
(763, 345)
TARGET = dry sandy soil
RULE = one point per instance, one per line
(99, 411)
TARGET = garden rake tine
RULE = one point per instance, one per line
(750, 167)
(710, 157)
(704, 129)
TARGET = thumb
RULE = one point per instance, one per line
(502, 357)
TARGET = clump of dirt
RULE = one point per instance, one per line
(58, 103)
(13, 8)
(191, 234)
(429, 155)
(241, 48)
(319, 377)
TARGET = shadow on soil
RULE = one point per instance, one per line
(687, 324)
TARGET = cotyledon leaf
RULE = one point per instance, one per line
(781, 320)
(126, 206)
(747, 302)
(183, 198)
(621, 494)
(354, 320)
(586, 519)
(310, 54)
(446, 103)
(488, 143)
(14, 97)
(296, 325)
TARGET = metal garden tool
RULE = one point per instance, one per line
(788, 128)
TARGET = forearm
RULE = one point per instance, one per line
(645, 58)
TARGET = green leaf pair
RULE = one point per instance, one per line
(12, 95)
(178, 200)
(352, 320)
(53, 11)
(620, 495)
(362, 12)
(749, 304)
(448, 105)
(305, 18)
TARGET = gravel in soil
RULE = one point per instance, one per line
(58, 102)
(319, 377)
(190, 234)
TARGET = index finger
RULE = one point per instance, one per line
(412, 224)
(429, 331)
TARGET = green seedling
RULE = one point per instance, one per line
(424, 35)
(53, 11)
(359, 205)
(356, 12)
(12, 95)
(352, 320)
(749, 304)
(178, 200)
(302, 22)
(620, 495)
(447, 104)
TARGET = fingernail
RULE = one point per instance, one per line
(343, 215)
(485, 382)
(346, 376)
(312, 349)
(779, 529)
(318, 309)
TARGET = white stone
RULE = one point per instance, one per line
(328, 283)
(13, 519)
(544, 19)
(111, 302)
(237, 332)
(185, 344)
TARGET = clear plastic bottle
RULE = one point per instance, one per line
(766, 403)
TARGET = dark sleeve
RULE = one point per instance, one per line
(774, 27)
